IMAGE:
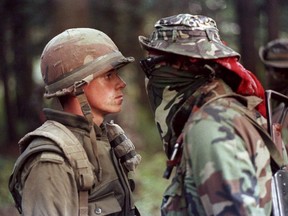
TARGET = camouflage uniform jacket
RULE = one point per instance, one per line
(224, 168)
(47, 180)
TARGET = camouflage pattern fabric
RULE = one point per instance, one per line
(168, 89)
(76, 56)
(225, 167)
(197, 37)
(188, 35)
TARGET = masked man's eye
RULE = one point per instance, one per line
(148, 64)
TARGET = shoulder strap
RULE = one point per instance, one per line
(73, 151)
(33, 148)
(275, 155)
(71, 148)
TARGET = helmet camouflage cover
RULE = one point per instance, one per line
(275, 53)
(188, 35)
(77, 56)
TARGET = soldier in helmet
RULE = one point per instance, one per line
(209, 110)
(75, 163)
(274, 56)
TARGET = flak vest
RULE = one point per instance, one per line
(56, 138)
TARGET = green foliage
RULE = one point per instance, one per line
(6, 166)
(2, 116)
(149, 183)
(149, 131)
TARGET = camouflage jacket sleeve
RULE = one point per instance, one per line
(50, 187)
(227, 164)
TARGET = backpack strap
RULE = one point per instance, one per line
(33, 148)
(275, 155)
(68, 144)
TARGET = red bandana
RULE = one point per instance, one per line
(249, 85)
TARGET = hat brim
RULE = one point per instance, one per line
(275, 63)
(201, 48)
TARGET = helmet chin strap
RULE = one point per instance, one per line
(87, 112)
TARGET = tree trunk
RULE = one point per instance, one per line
(246, 10)
(69, 14)
(272, 11)
(22, 60)
(9, 120)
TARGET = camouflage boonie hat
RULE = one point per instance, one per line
(188, 35)
(275, 53)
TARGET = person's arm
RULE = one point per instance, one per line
(50, 188)
(226, 178)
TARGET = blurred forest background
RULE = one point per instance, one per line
(27, 25)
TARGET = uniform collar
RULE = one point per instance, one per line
(67, 119)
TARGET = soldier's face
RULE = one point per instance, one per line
(104, 94)
(277, 79)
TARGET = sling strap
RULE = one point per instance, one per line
(275, 155)
(66, 143)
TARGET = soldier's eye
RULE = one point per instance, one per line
(109, 75)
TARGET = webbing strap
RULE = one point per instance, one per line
(275, 155)
(83, 203)
(86, 110)
(19, 165)
(118, 140)
(85, 107)
(72, 149)
(128, 156)
(268, 142)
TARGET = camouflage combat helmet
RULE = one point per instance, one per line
(275, 53)
(75, 57)
(188, 35)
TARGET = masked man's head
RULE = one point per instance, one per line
(179, 50)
